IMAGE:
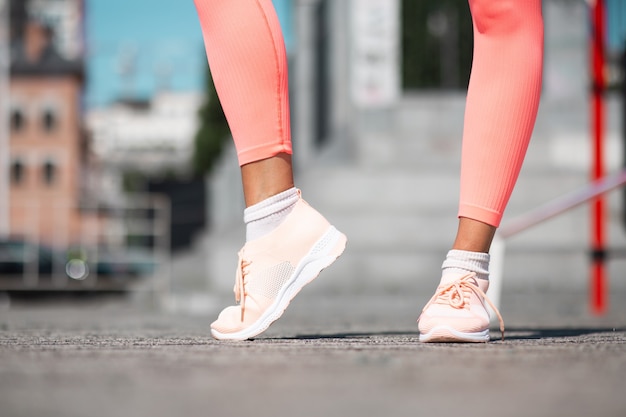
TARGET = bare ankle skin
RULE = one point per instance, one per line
(267, 177)
(474, 236)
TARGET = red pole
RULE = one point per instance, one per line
(598, 286)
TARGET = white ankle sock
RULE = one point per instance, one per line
(264, 217)
(460, 262)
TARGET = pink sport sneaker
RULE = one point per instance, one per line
(274, 268)
(457, 312)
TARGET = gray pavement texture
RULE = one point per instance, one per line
(330, 355)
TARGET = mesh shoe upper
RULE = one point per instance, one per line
(267, 264)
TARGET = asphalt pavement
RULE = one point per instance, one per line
(330, 355)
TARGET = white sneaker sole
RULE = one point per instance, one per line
(325, 251)
(447, 334)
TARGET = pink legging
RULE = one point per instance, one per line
(246, 53)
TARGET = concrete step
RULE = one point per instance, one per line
(399, 190)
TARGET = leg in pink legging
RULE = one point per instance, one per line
(502, 103)
(246, 54)
(288, 243)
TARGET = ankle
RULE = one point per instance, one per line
(473, 235)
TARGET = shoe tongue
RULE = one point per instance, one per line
(449, 278)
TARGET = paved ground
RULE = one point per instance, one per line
(328, 356)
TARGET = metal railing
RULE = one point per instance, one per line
(123, 247)
(538, 215)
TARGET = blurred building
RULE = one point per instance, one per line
(151, 137)
(47, 141)
(65, 18)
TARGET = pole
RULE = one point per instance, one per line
(598, 285)
(5, 186)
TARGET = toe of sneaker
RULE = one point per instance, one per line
(465, 323)
(229, 320)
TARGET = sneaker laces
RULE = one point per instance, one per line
(240, 282)
(457, 294)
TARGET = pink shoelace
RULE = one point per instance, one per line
(457, 294)
(240, 282)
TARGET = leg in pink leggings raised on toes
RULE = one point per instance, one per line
(288, 242)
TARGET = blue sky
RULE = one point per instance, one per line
(157, 36)
(160, 35)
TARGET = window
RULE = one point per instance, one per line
(17, 119)
(18, 172)
(616, 24)
(437, 45)
(49, 173)
(49, 119)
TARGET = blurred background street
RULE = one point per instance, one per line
(121, 216)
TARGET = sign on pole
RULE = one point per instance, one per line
(375, 52)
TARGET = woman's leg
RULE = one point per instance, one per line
(287, 242)
(502, 102)
(246, 53)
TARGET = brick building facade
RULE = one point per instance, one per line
(47, 141)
